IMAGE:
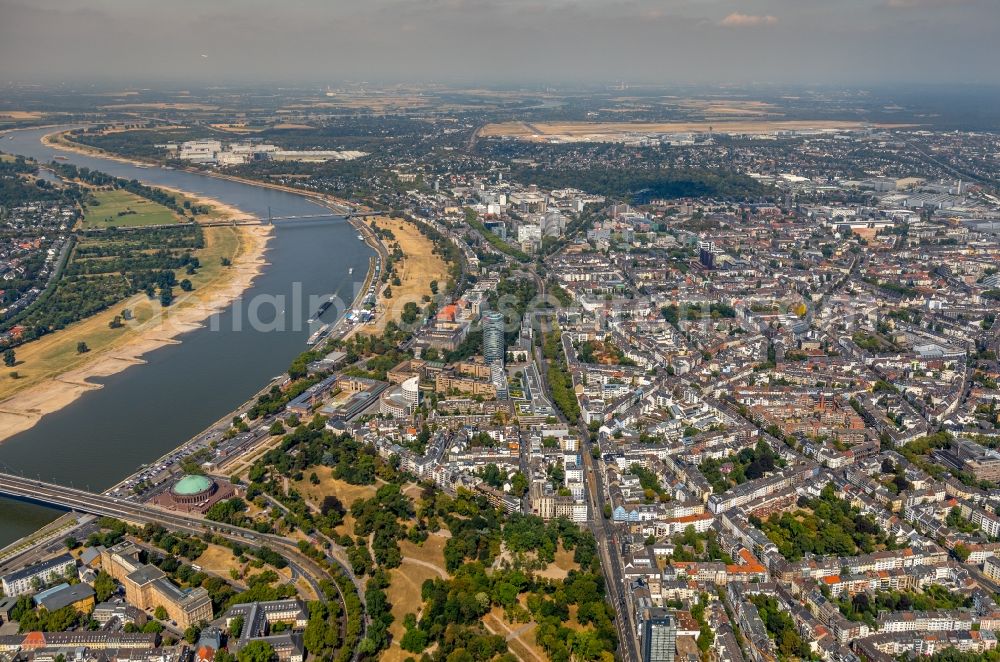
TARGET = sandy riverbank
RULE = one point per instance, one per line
(57, 140)
(219, 210)
(51, 374)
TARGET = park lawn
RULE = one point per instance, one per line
(404, 593)
(112, 203)
(520, 636)
(430, 551)
(219, 560)
(56, 353)
(328, 485)
(394, 653)
(419, 266)
(345, 528)
(406, 580)
(563, 564)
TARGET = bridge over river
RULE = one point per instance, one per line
(248, 220)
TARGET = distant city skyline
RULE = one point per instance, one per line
(502, 41)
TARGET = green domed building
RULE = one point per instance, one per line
(193, 489)
(195, 493)
(193, 485)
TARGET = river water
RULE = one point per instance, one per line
(146, 410)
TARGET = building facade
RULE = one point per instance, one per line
(27, 579)
(147, 587)
(659, 636)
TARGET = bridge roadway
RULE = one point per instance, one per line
(244, 220)
(108, 506)
(304, 217)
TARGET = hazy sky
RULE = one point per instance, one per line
(469, 41)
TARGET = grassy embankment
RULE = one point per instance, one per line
(55, 354)
(419, 266)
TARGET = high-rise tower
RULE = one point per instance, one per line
(494, 349)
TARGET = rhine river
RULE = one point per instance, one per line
(146, 410)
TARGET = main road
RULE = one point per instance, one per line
(604, 535)
(608, 547)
